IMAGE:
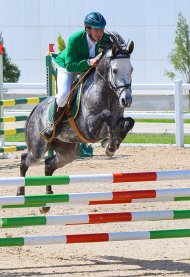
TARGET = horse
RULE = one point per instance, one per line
(106, 93)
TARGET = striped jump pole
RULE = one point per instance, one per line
(95, 178)
(96, 198)
(11, 131)
(15, 222)
(13, 148)
(13, 102)
(97, 237)
(8, 119)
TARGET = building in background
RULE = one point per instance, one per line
(28, 27)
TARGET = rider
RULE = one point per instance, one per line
(80, 54)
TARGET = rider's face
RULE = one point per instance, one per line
(96, 34)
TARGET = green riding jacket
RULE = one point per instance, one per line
(74, 57)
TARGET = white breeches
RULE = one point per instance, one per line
(64, 82)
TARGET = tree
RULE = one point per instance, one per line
(179, 57)
(11, 72)
(61, 43)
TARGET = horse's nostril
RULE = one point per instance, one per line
(126, 102)
(123, 102)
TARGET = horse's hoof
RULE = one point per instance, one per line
(49, 191)
(108, 152)
(44, 210)
(20, 191)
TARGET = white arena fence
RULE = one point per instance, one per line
(177, 89)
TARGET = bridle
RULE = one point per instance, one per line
(123, 55)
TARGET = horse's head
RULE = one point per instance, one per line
(120, 69)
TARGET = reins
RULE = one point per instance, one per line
(67, 110)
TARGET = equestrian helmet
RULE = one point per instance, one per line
(95, 20)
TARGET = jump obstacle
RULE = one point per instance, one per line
(15, 222)
(30, 181)
(95, 198)
(13, 102)
(13, 131)
(100, 237)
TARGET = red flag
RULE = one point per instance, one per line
(1, 49)
(51, 45)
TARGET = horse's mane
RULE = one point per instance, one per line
(114, 38)
(118, 39)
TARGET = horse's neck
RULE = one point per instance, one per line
(98, 96)
(95, 82)
(97, 87)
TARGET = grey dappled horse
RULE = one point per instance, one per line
(106, 93)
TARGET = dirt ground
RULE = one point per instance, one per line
(167, 257)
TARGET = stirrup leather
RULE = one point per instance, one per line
(42, 133)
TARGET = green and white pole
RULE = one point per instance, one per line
(96, 198)
(75, 219)
(96, 237)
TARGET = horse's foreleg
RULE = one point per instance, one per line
(109, 143)
(127, 124)
(107, 116)
(109, 120)
(117, 131)
(23, 170)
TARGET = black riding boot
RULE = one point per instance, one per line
(48, 132)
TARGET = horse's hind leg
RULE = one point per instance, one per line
(23, 170)
(65, 153)
(34, 155)
(49, 172)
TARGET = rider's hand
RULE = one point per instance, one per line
(94, 61)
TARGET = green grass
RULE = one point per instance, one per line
(160, 120)
(153, 138)
(15, 138)
(131, 138)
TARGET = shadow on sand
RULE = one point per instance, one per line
(104, 266)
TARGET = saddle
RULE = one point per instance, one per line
(73, 105)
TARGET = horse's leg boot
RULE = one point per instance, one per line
(48, 132)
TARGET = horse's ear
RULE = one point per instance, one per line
(130, 47)
(114, 49)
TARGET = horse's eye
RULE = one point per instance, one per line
(115, 70)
